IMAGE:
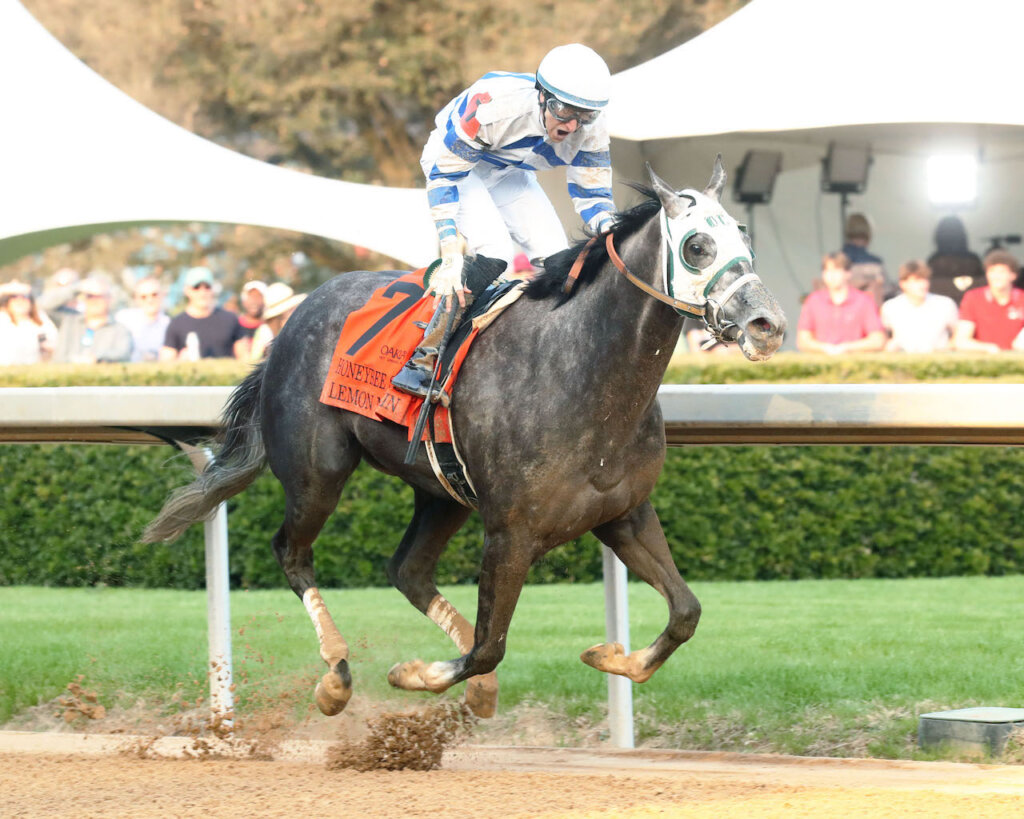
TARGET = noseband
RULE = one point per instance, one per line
(715, 324)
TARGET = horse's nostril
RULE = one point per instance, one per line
(762, 325)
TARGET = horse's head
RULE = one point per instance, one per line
(708, 262)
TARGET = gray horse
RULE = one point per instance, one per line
(556, 417)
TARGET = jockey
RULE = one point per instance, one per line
(481, 162)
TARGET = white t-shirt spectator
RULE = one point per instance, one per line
(23, 343)
(922, 328)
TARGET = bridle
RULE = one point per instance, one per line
(721, 330)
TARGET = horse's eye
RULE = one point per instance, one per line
(699, 251)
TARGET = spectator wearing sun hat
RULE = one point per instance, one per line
(93, 336)
(219, 333)
(281, 302)
(27, 336)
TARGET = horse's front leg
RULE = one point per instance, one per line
(411, 570)
(506, 560)
(639, 541)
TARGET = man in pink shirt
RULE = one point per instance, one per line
(838, 318)
(992, 317)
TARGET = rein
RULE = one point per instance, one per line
(684, 306)
(577, 266)
(715, 326)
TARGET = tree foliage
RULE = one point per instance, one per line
(344, 89)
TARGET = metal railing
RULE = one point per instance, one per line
(694, 414)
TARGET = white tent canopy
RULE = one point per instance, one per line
(75, 152)
(911, 78)
(786, 65)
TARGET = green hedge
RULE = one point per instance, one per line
(685, 369)
(71, 515)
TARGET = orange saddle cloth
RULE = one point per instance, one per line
(375, 342)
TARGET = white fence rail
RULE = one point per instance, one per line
(957, 414)
(694, 414)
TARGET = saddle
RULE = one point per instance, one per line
(378, 338)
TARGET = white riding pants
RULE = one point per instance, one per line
(506, 207)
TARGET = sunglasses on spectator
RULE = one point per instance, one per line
(202, 286)
(564, 112)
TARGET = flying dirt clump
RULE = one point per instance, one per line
(80, 703)
(412, 741)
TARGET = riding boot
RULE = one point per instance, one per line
(414, 377)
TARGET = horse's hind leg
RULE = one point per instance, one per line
(506, 560)
(411, 570)
(639, 541)
(311, 495)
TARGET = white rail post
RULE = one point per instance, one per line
(218, 602)
(218, 613)
(616, 621)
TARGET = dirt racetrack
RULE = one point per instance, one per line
(74, 775)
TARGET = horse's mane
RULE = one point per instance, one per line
(556, 268)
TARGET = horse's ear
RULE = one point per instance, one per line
(670, 200)
(717, 183)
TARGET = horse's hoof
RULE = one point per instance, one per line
(417, 675)
(612, 659)
(607, 657)
(334, 690)
(482, 695)
(408, 676)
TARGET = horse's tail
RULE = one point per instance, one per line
(240, 460)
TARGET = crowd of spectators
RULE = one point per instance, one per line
(953, 301)
(87, 320)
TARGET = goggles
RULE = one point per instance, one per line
(564, 112)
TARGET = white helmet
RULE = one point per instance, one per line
(576, 75)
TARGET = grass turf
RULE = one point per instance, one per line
(811, 667)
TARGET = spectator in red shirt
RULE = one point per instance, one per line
(992, 317)
(839, 318)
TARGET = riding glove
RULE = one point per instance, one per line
(447, 279)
